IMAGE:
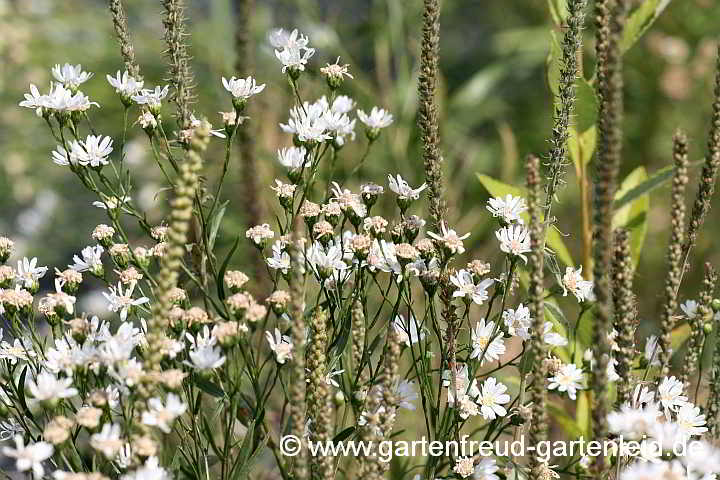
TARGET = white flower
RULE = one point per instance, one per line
(107, 441)
(259, 234)
(690, 308)
(29, 457)
(464, 466)
(293, 157)
(378, 118)
(280, 259)
(514, 240)
(151, 98)
(492, 397)
(450, 240)
(62, 99)
(281, 345)
(94, 151)
(553, 338)
(574, 282)
(670, 395)
(151, 470)
(71, 76)
(408, 332)
(403, 189)
(481, 335)
(632, 422)
(308, 123)
(518, 321)
(509, 208)
(293, 51)
(652, 351)
(486, 469)
(162, 416)
(690, 421)
(204, 355)
(463, 281)
(34, 100)
(21, 349)
(28, 273)
(125, 84)
(325, 263)
(112, 203)
(47, 387)
(462, 383)
(568, 379)
(242, 88)
(62, 157)
(405, 394)
(120, 299)
(91, 259)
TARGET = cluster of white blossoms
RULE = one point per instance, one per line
(669, 430)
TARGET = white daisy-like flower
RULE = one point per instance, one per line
(553, 338)
(242, 88)
(324, 262)
(206, 357)
(307, 122)
(486, 469)
(112, 203)
(280, 259)
(91, 260)
(71, 76)
(19, 350)
(151, 470)
(632, 422)
(492, 398)
(62, 99)
(405, 394)
(514, 240)
(462, 384)
(152, 98)
(378, 118)
(652, 351)
(407, 331)
(293, 157)
(48, 388)
(690, 308)
(28, 273)
(120, 299)
(574, 282)
(163, 415)
(518, 321)
(107, 441)
(508, 209)
(281, 345)
(464, 466)
(125, 84)
(34, 100)
(481, 335)
(690, 420)
(94, 151)
(670, 395)
(291, 49)
(466, 287)
(30, 456)
(568, 379)
(403, 190)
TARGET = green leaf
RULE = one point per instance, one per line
(640, 21)
(586, 105)
(555, 241)
(581, 147)
(582, 413)
(633, 216)
(215, 222)
(220, 281)
(564, 420)
(344, 434)
(208, 387)
(558, 11)
(554, 63)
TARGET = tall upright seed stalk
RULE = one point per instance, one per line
(428, 111)
(675, 250)
(122, 33)
(572, 43)
(181, 77)
(625, 313)
(539, 373)
(611, 19)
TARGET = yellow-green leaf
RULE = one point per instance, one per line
(633, 215)
(496, 188)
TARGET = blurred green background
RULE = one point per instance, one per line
(496, 107)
